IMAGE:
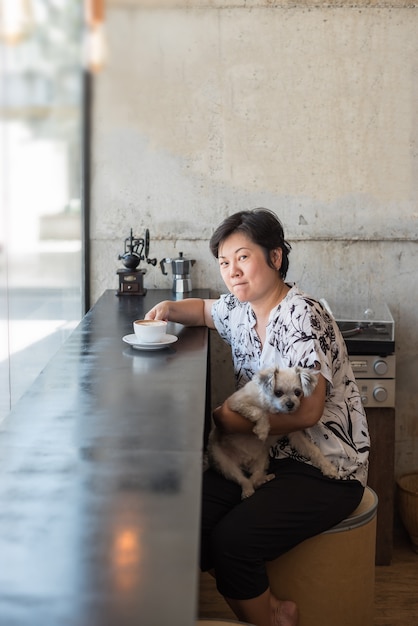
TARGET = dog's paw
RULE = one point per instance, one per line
(328, 469)
(247, 492)
(263, 479)
(261, 430)
(330, 472)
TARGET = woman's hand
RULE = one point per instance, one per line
(160, 311)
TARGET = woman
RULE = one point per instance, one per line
(269, 322)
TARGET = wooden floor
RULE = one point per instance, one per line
(396, 590)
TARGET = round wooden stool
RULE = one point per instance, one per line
(331, 576)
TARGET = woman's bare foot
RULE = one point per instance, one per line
(284, 612)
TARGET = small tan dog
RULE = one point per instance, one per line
(244, 458)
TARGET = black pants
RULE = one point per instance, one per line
(239, 536)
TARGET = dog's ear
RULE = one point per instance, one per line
(308, 379)
(267, 378)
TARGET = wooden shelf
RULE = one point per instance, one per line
(382, 477)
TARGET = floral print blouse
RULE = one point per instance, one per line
(301, 332)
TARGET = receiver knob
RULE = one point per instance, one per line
(380, 367)
(380, 394)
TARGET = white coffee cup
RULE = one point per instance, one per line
(150, 331)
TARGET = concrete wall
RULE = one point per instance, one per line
(207, 107)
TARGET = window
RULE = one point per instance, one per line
(41, 248)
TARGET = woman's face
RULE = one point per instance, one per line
(244, 268)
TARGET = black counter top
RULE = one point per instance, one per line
(100, 470)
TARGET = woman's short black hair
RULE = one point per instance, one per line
(262, 227)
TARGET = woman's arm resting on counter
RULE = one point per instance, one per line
(190, 312)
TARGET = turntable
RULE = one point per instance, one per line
(366, 329)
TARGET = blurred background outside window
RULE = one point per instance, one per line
(41, 248)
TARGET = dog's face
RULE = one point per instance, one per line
(284, 388)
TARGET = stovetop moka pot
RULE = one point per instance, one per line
(180, 267)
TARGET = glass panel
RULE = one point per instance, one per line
(40, 191)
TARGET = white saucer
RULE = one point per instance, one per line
(133, 341)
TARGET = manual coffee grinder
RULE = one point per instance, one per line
(182, 282)
(131, 279)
